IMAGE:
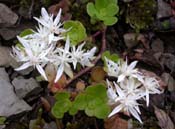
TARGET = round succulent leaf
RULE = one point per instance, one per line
(56, 111)
(102, 111)
(80, 102)
(109, 21)
(77, 31)
(100, 4)
(73, 110)
(89, 112)
(98, 90)
(91, 9)
(62, 96)
(112, 9)
(95, 103)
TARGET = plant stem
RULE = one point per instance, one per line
(85, 70)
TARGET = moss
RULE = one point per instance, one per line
(140, 14)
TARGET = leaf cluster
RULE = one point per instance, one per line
(103, 10)
(93, 101)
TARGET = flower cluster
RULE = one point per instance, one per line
(131, 86)
(43, 46)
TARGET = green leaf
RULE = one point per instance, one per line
(91, 9)
(113, 57)
(77, 32)
(89, 112)
(73, 110)
(109, 21)
(99, 4)
(102, 111)
(97, 91)
(61, 107)
(112, 9)
(62, 96)
(103, 10)
(2, 120)
(26, 32)
(80, 102)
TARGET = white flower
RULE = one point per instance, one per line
(111, 93)
(33, 54)
(82, 57)
(87, 58)
(112, 68)
(77, 54)
(46, 36)
(48, 21)
(151, 86)
(127, 71)
(127, 103)
(63, 58)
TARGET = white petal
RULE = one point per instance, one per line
(67, 45)
(44, 14)
(68, 70)
(41, 71)
(132, 65)
(116, 110)
(119, 90)
(57, 19)
(121, 78)
(51, 37)
(147, 98)
(135, 114)
(24, 66)
(59, 72)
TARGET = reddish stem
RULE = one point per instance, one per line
(85, 70)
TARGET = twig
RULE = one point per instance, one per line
(58, 123)
(85, 70)
(95, 122)
(96, 34)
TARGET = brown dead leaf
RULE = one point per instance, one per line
(98, 74)
(80, 86)
(164, 120)
(151, 74)
(64, 5)
(46, 104)
(115, 122)
(59, 85)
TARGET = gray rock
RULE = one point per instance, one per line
(51, 125)
(157, 45)
(7, 16)
(130, 39)
(6, 59)
(170, 82)
(23, 86)
(10, 103)
(164, 9)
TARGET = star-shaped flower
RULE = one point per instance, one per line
(151, 86)
(32, 54)
(126, 103)
(62, 60)
(48, 21)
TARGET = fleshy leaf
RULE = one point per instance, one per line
(62, 96)
(26, 32)
(77, 31)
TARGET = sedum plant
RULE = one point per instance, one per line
(103, 10)
(93, 101)
(43, 46)
(129, 87)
